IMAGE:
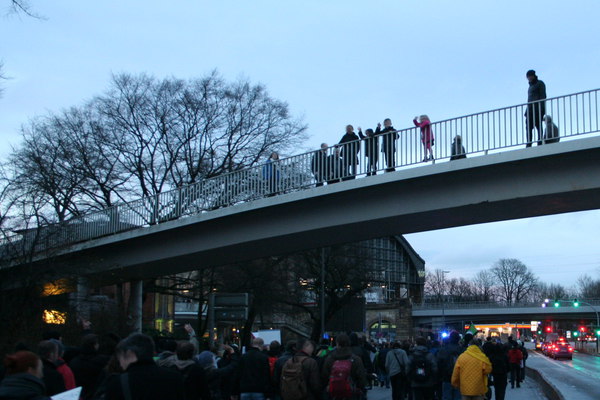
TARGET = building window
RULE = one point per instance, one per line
(385, 331)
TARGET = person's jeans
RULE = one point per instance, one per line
(398, 387)
(515, 374)
(449, 392)
(423, 393)
(384, 378)
(500, 387)
(252, 396)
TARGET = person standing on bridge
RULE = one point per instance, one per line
(427, 138)
(371, 150)
(318, 165)
(390, 135)
(350, 148)
(271, 173)
(536, 107)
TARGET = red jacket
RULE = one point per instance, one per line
(67, 374)
(515, 356)
(426, 131)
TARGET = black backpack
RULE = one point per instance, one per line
(420, 368)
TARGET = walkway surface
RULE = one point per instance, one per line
(529, 390)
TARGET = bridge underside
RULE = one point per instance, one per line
(539, 181)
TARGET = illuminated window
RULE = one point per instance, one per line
(54, 317)
(55, 288)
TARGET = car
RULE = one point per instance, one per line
(561, 350)
(545, 348)
(538, 345)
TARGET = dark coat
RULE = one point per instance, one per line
(278, 369)
(53, 380)
(312, 377)
(536, 91)
(422, 351)
(254, 373)
(318, 165)
(147, 381)
(390, 135)
(87, 368)
(358, 373)
(22, 387)
(350, 147)
(195, 378)
(371, 144)
(446, 358)
(335, 168)
(457, 151)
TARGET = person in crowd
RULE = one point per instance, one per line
(335, 167)
(350, 148)
(551, 134)
(446, 360)
(359, 349)
(525, 356)
(143, 379)
(274, 352)
(318, 165)
(470, 372)
(225, 374)
(379, 364)
(371, 150)
(271, 174)
(495, 352)
(23, 380)
(300, 376)
(194, 376)
(396, 366)
(422, 371)
(290, 350)
(254, 377)
(515, 358)
(53, 380)
(427, 138)
(390, 135)
(457, 151)
(343, 373)
(63, 368)
(536, 107)
(87, 366)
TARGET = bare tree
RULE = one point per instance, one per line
(460, 289)
(483, 284)
(436, 284)
(588, 287)
(515, 280)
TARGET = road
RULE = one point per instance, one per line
(575, 379)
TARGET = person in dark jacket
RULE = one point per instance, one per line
(350, 149)
(536, 109)
(358, 349)
(343, 351)
(290, 350)
(371, 150)
(143, 379)
(271, 174)
(310, 369)
(335, 167)
(53, 380)
(253, 375)
(318, 165)
(23, 380)
(551, 134)
(421, 363)
(195, 378)
(216, 376)
(457, 151)
(500, 367)
(228, 364)
(88, 365)
(390, 135)
(446, 359)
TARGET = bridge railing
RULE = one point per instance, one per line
(490, 304)
(491, 131)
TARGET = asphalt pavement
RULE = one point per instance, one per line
(576, 379)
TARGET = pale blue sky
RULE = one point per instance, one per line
(335, 62)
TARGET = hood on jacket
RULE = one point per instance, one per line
(420, 350)
(342, 353)
(21, 386)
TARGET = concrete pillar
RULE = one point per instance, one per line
(81, 299)
(135, 306)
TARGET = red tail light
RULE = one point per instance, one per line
(570, 349)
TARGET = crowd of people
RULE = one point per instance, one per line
(141, 368)
(340, 162)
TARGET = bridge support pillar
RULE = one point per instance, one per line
(135, 305)
(81, 299)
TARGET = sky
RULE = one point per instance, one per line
(335, 63)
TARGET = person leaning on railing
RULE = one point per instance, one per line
(318, 165)
(390, 135)
(536, 109)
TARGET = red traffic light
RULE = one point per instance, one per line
(548, 329)
(582, 328)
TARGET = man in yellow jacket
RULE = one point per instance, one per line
(470, 373)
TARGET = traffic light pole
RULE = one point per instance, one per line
(576, 304)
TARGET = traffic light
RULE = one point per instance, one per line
(575, 303)
(597, 332)
(556, 303)
(582, 328)
(548, 329)
(575, 334)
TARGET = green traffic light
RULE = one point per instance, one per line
(556, 304)
(576, 303)
(575, 333)
(598, 332)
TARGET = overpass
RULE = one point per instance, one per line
(494, 312)
(230, 218)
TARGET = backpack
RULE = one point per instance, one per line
(272, 361)
(340, 384)
(293, 384)
(420, 369)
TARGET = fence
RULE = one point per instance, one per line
(481, 133)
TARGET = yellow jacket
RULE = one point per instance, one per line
(470, 372)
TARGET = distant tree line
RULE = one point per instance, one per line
(508, 281)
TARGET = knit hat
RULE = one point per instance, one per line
(530, 73)
(206, 359)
